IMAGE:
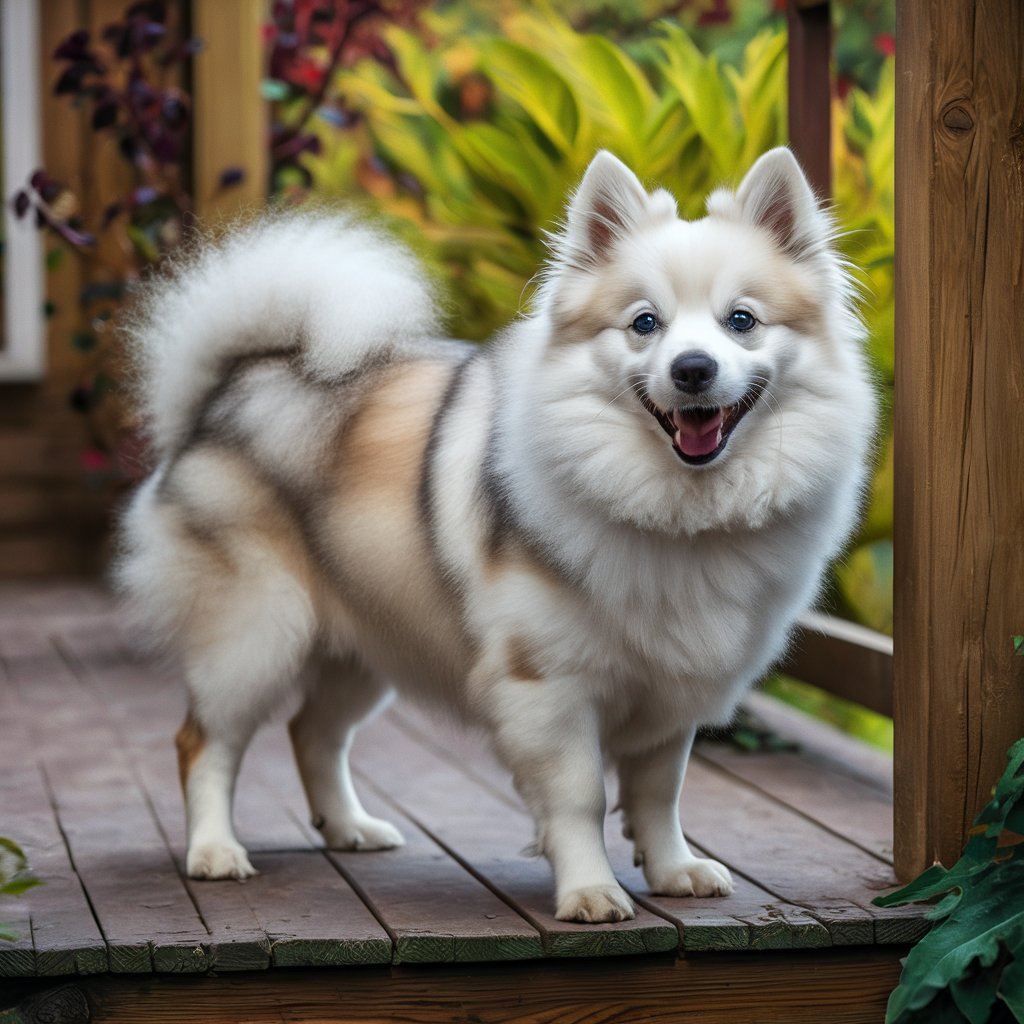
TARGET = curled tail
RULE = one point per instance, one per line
(334, 290)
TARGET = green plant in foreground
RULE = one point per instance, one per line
(970, 966)
(15, 877)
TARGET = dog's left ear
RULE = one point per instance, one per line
(775, 195)
(609, 203)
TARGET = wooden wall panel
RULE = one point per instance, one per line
(959, 525)
(231, 126)
(52, 520)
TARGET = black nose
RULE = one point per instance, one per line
(693, 372)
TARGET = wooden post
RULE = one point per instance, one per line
(959, 406)
(810, 90)
(230, 124)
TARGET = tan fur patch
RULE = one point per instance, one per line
(190, 740)
(521, 659)
(375, 530)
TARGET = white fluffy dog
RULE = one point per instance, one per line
(589, 537)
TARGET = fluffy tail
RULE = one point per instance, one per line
(333, 290)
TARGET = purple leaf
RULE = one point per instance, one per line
(144, 194)
(80, 399)
(21, 203)
(104, 116)
(39, 180)
(231, 176)
(79, 239)
(74, 47)
(129, 148)
(166, 149)
(110, 213)
(174, 112)
(71, 79)
(152, 10)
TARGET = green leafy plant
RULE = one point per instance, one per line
(468, 140)
(15, 877)
(970, 966)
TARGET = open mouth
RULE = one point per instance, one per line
(699, 434)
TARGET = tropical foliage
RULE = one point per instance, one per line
(469, 138)
(970, 966)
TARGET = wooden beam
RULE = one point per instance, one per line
(959, 415)
(845, 659)
(230, 119)
(810, 90)
(797, 986)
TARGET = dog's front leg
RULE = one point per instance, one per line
(548, 736)
(650, 784)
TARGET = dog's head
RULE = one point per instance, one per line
(716, 360)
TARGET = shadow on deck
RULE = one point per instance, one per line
(89, 788)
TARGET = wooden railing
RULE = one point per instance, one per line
(957, 690)
(847, 660)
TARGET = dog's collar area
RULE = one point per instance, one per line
(699, 434)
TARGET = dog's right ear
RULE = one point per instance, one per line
(609, 203)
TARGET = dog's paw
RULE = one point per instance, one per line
(226, 859)
(595, 904)
(695, 877)
(362, 833)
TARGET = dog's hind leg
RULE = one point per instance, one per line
(340, 695)
(246, 643)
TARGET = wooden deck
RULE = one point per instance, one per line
(89, 787)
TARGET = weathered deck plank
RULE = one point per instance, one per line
(118, 851)
(94, 797)
(752, 918)
(299, 911)
(484, 834)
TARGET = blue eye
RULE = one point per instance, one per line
(645, 323)
(740, 320)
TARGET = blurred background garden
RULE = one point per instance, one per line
(462, 126)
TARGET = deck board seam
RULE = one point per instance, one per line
(355, 886)
(425, 740)
(466, 866)
(52, 798)
(740, 780)
(81, 673)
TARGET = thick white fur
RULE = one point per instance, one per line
(559, 576)
(253, 290)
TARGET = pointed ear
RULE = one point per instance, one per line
(609, 203)
(775, 195)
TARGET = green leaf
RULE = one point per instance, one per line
(532, 82)
(54, 258)
(973, 956)
(1018, 645)
(988, 919)
(16, 886)
(1011, 987)
(84, 341)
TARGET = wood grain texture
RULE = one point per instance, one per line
(780, 903)
(117, 849)
(959, 500)
(816, 987)
(98, 720)
(751, 918)
(845, 659)
(41, 438)
(231, 128)
(484, 833)
(298, 911)
(810, 90)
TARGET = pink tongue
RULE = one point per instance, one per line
(697, 436)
